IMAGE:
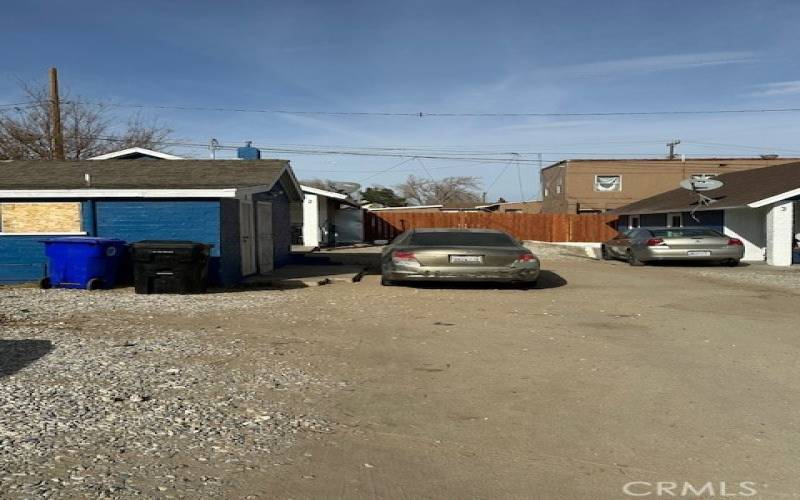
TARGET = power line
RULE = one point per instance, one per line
(497, 161)
(386, 170)
(17, 104)
(423, 114)
(498, 176)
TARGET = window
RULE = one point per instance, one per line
(701, 232)
(607, 183)
(546, 192)
(675, 220)
(461, 238)
(635, 221)
(558, 188)
(40, 218)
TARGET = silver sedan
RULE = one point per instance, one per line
(650, 244)
(458, 255)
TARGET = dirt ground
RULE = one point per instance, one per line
(604, 375)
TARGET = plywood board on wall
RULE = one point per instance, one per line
(40, 217)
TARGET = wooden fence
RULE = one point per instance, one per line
(541, 227)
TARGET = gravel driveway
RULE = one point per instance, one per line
(602, 375)
(96, 399)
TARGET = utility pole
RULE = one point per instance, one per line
(213, 146)
(671, 146)
(55, 117)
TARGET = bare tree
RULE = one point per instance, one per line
(26, 133)
(447, 191)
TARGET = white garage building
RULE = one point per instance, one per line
(327, 218)
(760, 206)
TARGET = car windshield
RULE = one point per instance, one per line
(697, 232)
(462, 239)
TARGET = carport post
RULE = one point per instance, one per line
(780, 224)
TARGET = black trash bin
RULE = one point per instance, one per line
(170, 266)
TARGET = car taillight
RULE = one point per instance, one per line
(735, 242)
(526, 257)
(405, 258)
(654, 242)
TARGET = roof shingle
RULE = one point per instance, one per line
(739, 189)
(151, 174)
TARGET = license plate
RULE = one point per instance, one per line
(699, 253)
(466, 259)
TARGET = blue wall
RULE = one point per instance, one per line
(22, 258)
(136, 220)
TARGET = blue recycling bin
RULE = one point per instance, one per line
(83, 262)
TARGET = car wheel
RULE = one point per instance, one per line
(633, 259)
(45, 283)
(604, 253)
(732, 262)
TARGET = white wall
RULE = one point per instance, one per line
(748, 224)
(780, 227)
(311, 220)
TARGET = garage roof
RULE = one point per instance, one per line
(29, 177)
(746, 188)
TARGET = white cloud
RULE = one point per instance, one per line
(777, 89)
(651, 64)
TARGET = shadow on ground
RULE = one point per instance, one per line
(547, 279)
(17, 354)
(368, 257)
(682, 263)
(691, 263)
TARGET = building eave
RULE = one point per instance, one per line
(322, 192)
(116, 193)
(675, 210)
(774, 199)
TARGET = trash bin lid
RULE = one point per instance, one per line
(171, 244)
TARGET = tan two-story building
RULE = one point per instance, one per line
(592, 186)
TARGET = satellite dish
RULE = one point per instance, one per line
(698, 184)
(346, 187)
(701, 184)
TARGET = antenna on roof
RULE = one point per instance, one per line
(698, 185)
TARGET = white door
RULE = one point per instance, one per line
(246, 239)
(266, 244)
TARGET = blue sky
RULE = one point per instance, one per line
(428, 56)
